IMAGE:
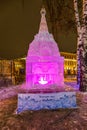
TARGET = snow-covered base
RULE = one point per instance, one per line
(7, 92)
(39, 101)
(68, 86)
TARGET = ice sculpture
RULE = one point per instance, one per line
(44, 65)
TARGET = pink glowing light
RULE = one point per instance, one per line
(42, 81)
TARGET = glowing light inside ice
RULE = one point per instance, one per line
(42, 81)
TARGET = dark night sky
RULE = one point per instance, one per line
(19, 24)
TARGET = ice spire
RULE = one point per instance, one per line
(43, 24)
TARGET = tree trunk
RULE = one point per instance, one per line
(79, 41)
(84, 58)
(81, 46)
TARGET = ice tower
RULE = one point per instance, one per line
(44, 65)
(44, 75)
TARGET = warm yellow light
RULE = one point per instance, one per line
(70, 60)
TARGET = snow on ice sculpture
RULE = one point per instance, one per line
(44, 65)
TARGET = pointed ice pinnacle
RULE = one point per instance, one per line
(43, 23)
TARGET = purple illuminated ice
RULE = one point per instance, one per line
(44, 65)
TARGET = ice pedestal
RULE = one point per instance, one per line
(46, 101)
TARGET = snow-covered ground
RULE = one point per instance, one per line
(6, 92)
(72, 85)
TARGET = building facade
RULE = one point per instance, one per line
(6, 72)
(70, 63)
